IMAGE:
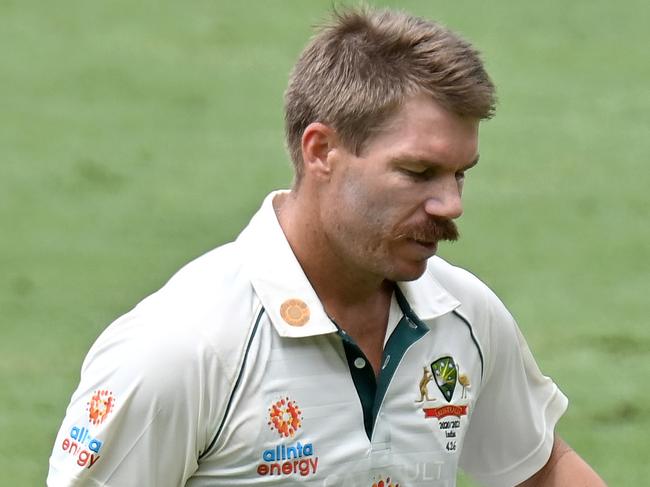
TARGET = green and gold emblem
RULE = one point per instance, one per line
(445, 373)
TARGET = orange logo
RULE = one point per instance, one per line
(385, 483)
(295, 312)
(285, 417)
(100, 405)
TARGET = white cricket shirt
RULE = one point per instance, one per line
(233, 375)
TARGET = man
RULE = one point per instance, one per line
(327, 345)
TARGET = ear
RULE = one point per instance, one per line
(318, 143)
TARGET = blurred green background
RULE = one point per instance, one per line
(135, 136)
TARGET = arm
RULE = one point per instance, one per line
(564, 468)
(135, 418)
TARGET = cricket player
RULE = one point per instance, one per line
(328, 345)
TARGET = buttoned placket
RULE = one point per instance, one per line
(371, 389)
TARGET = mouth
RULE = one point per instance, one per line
(430, 246)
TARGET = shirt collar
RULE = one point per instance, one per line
(283, 287)
(427, 298)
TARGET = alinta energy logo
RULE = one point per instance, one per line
(285, 417)
(80, 443)
(100, 406)
(385, 483)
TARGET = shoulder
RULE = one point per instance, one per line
(215, 277)
(178, 352)
(163, 373)
(197, 322)
(210, 298)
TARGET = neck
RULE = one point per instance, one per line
(339, 284)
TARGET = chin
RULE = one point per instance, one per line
(407, 271)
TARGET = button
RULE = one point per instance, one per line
(359, 363)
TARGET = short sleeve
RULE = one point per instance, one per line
(136, 416)
(511, 431)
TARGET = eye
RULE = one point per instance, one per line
(460, 176)
(418, 174)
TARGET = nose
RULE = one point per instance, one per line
(445, 200)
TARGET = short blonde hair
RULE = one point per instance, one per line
(358, 69)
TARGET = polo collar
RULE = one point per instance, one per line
(427, 298)
(287, 295)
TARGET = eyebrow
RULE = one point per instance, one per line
(407, 158)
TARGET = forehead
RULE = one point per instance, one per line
(422, 128)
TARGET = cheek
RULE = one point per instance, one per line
(368, 217)
(365, 213)
(363, 199)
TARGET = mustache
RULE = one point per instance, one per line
(434, 229)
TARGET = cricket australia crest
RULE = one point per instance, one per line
(445, 374)
(449, 420)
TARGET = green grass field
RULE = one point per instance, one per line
(135, 136)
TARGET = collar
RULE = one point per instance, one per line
(287, 295)
(427, 298)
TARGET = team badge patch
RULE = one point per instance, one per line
(449, 419)
(445, 374)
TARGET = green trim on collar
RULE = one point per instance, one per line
(408, 331)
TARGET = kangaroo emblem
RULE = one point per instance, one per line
(424, 382)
